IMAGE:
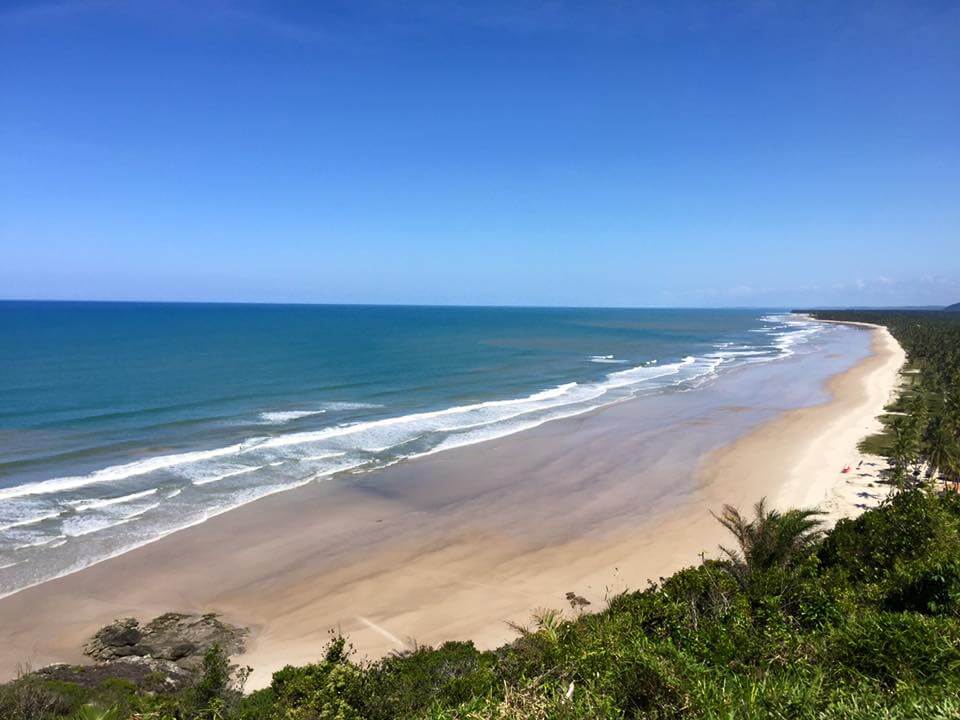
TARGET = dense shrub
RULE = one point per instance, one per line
(329, 690)
(28, 699)
(891, 648)
(868, 547)
(927, 585)
(408, 683)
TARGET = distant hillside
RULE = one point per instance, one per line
(953, 308)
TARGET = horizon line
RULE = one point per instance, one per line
(280, 303)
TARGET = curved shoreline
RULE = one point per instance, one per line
(810, 473)
(412, 552)
(59, 537)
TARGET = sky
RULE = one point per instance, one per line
(509, 152)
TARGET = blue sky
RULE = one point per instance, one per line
(549, 153)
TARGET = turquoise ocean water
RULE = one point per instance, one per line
(123, 422)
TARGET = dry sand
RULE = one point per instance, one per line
(810, 473)
(592, 504)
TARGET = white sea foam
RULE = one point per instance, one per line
(29, 521)
(333, 406)
(120, 472)
(280, 417)
(224, 475)
(141, 511)
(323, 456)
(39, 542)
(196, 459)
(81, 505)
(486, 433)
(726, 354)
(644, 373)
(414, 419)
(87, 524)
(373, 435)
(606, 360)
(238, 500)
(790, 331)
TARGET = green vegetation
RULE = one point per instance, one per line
(859, 622)
(922, 428)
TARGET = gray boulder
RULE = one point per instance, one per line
(173, 637)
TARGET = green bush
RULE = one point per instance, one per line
(912, 525)
(896, 648)
(408, 683)
(328, 690)
(257, 705)
(927, 585)
(29, 698)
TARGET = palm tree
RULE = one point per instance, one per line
(942, 449)
(769, 539)
(906, 448)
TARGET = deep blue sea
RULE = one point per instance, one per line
(122, 422)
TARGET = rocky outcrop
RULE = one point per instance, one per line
(173, 638)
(162, 676)
(162, 656)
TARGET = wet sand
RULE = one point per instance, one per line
(453, 545)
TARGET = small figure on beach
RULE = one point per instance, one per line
(846, 469)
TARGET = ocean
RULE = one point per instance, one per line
(123, 422)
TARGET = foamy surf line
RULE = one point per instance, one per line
(117, 552)
(209, 482)
(118, 472)
(288, 415)
(81, 505)
(479, 413)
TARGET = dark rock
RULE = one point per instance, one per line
(181, 651)
(121, 633)
(159, 657)
(173, 637)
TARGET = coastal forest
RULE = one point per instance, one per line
(922, 428)
(791, 621)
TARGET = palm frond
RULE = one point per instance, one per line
(770, 538)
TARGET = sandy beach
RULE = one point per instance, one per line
(808, 472)
(453, 545)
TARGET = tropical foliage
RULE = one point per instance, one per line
(922, 438)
